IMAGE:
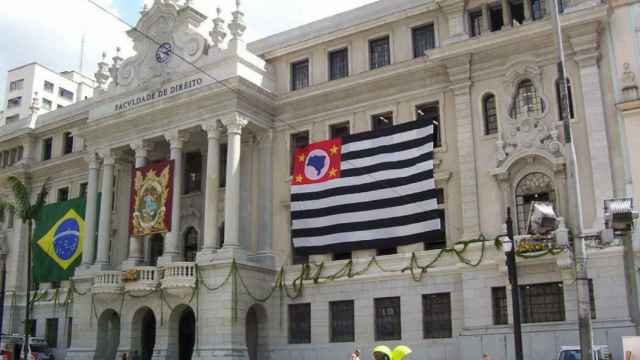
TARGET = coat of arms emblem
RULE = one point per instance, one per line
(151, 199)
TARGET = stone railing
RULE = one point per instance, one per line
(107, 282)
(143, 278)
(179, 275)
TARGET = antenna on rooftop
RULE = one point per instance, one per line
(81, 54)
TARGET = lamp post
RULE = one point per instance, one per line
(515, 290)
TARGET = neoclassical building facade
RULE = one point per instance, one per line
(225, 282)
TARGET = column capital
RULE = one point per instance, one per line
(93, 160)
(176, 138)
(235, 123)
(108, 158)
(140, 147)
(212, 129)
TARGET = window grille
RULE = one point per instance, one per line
(436, 316)
(490, 115)
(338, 64)
(499, 304)
(387, 319)
(423, 39)
(379, 53)
(542, 302)
(300, 323)
(300, 75)
(342, 321)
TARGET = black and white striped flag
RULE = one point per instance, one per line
(367, 190)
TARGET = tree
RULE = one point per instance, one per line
(27, 212)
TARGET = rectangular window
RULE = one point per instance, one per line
(46, 104)
(339, 130)
(300, 323)
(297, 140)
(342, 256)
(338, 64)
(379, 53)
(424, 38)
(66, 94)
(63, 194)
(431, 111)
(542, 302)
(16, 85)
(192, 172)
(48, 86)
(499, 304)
(439, 239)
(300, 75)
(495, 13)
(67, 143)
(341, 317)
(12, 119)
(69, 332)
(386, 251)
(32, 327)
(223, 165)
(14, 102)
(83, 190)
(387, 319)
(436, 316)
(475, 22)
(46, 148)
(51, 333)
(381, 121)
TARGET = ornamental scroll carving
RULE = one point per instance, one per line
(531, 127)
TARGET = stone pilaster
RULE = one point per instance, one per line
(212, 184)
(89, 246)
(264, 253)
(136, 245)
(527, 11)
(106, 206)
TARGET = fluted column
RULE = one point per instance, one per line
(265, 199)
(89, 246)
(106, 205)
(234, 125)
(212, 185)
(172, 241)
(136, 245)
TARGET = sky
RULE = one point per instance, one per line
(50, 32)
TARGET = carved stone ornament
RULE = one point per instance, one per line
(529, 131)
(629, 85)
(174, 33)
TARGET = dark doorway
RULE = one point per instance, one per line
(156, 245)
(108, 335)
(190, 244)
(186, 334)
(148, 335)
(252, 334)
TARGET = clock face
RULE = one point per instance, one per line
(163, 53)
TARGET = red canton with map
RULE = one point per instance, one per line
(317, 162)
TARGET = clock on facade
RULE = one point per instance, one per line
(163, 53)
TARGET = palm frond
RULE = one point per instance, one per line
(21, 196)
(41, 199)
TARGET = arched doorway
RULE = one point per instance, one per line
(190, 244)
(182, 333)
(108, 335)
(533, 187)
(144, 332)
(156, 248)
(255, 332)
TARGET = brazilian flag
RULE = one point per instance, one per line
(58, 238)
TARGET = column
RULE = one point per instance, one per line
(106, 204)
(172, 240)
(234, 125)
(459, 71)
(527, 11)
(89, 246)
(506, 14)
(212, 185)
(587, 58)
(136, 245)
(265, 200)
(485, 19)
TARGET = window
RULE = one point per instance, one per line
(64, 93)
(20, 152)
(342, 256)
(490, 114)
(436, 316)
(387, 319)
(526, 102)
(517, 11)
(386, 251)
(379, 53)
(339, 130)
(67, 143)
(46, 148)
(190, 244)
(338, 64)
(431, 111)
(381, 121)
(300, 75)
(12, 215)
(475, 22)
(499, 304)
(13, 154)
(561, 104)
(51, 333)
(592, 299)
(14, 102)
(16, 85)
(298, 140)
(193, 172)
(63, 194)
(533, 187)
(300, 323)
(32, 326)
(69, 328)
(223, 165)
(12, 118)
(48, 86)
(495, 14)
(424, 38)
(46, 104)
(439, 239)
(542, 302)
(341, 317)
(537, 9)
(83, 190)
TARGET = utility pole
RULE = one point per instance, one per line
(573, 187)
(515, 290)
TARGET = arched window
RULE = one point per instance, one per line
(526, 101)
(190, 244)
(533, 187)
(490, 114)
(561, 103)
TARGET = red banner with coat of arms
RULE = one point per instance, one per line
(151, 197)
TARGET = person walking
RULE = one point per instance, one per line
(355, 355)
(485, 356)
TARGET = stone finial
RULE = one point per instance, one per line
(115, 66)
(629, 85)
(102, 75)
(218, 34)
(144, 10)
(237, 25)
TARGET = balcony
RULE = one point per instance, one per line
(141, 279)
(179, 278)
(107, 282)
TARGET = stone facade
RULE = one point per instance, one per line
(237, 110)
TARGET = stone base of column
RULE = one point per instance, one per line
(228, 253)
(206, 256)
(101, 267)
(132, 262)
(166, 259)
(265, 259)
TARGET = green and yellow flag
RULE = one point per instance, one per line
(58, 239)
